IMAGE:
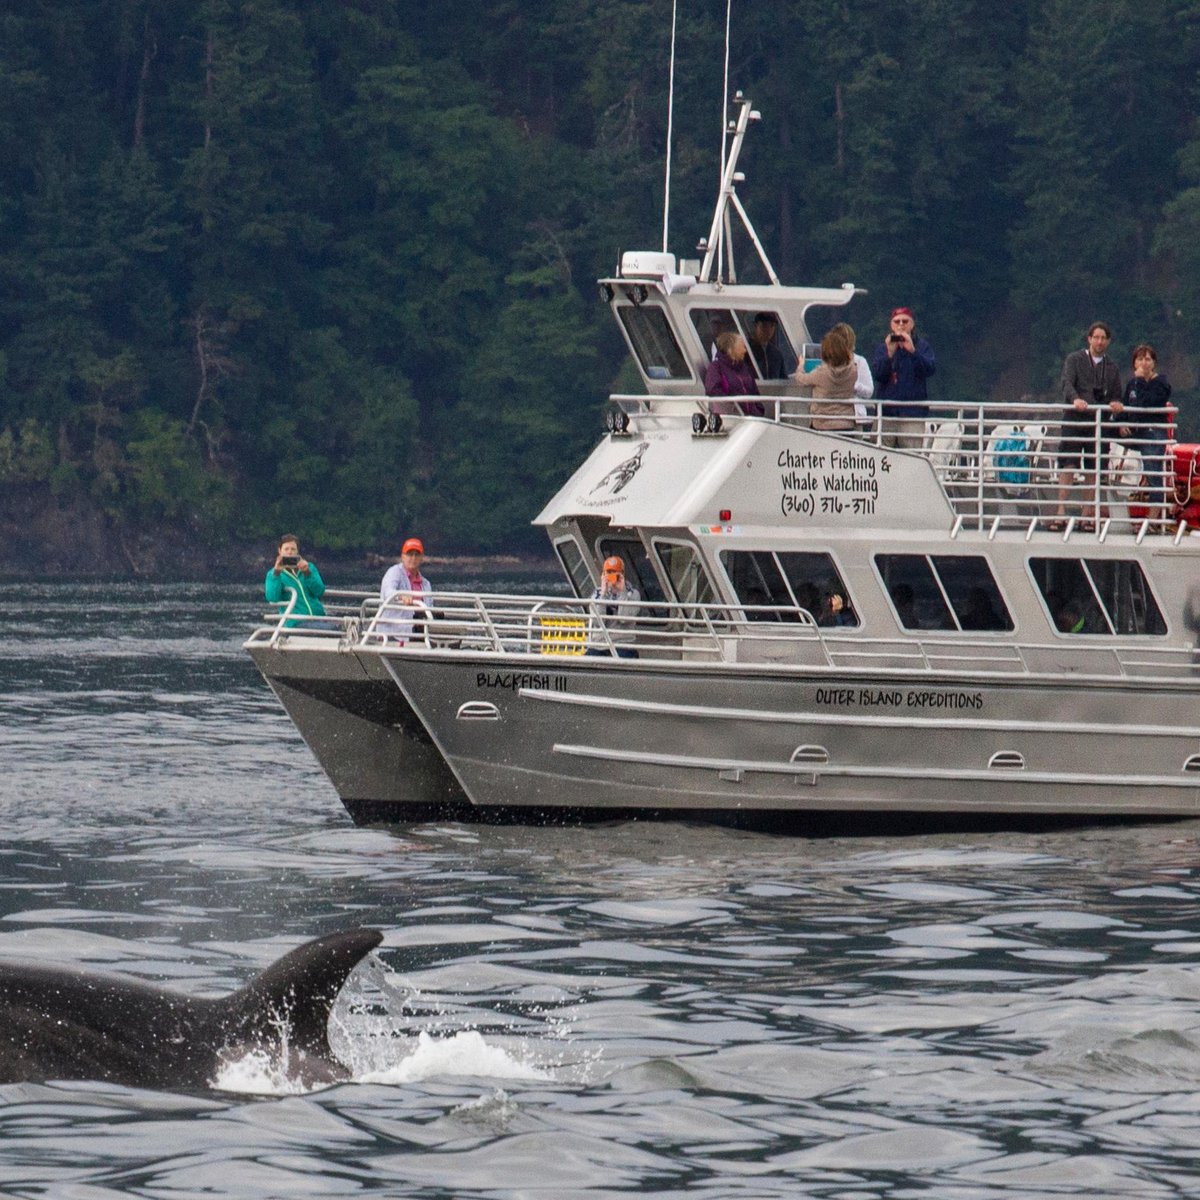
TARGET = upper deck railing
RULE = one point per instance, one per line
(999, 464)
(544, 631)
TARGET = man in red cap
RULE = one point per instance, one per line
(616, 601)
(900, 366)
(403, 591)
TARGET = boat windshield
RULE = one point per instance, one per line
(653, 343)
(770, 350)
(639, 571)
(573, 563)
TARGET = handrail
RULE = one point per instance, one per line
(285, 614)
(984, 480)
(343, 618)
(659, 631)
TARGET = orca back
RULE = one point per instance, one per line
(68, 1023)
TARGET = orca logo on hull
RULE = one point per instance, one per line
(620, 477)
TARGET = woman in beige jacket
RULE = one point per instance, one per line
(832, 383)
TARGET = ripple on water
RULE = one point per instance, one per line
(663, 1009)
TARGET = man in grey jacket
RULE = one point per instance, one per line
(1091, 382)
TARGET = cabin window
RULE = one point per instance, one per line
(914, 592)
(576, 568)
(709, 322)
(971, 589)
(689, 580)
(774, 357)
(788, 581)
(653, 342)
(944, 591)
(759, 584)
(1101, 595)
(639, 571)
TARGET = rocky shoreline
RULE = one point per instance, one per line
(43, 538)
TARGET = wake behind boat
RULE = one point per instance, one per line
(825, 621)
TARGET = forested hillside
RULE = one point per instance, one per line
(328, 265)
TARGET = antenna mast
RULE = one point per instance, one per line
(724, 229)
(727, 197)
(670, 120)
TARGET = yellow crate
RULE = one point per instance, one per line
(563, 635)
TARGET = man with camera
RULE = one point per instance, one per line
(900, 367)
(292, 575)
(1091, 382)
(616, 600)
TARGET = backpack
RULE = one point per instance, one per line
(1012, 461)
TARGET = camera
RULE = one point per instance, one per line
(289, 560)
(895, 338)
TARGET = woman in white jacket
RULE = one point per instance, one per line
(403, 593)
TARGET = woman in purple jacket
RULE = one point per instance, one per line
(730, 374)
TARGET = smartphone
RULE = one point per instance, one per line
(289, 560)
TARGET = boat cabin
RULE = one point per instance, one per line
(670, 321)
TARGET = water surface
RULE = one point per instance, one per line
(629, 1009)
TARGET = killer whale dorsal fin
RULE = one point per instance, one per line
(301, 988)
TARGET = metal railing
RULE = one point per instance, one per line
(551, 629)
(1001, 465)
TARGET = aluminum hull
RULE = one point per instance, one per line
(624, 735)
(361, 730)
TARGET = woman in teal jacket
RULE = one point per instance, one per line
(290, 575)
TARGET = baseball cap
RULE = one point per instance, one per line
(413, 544)
(614, 566)
(902, 312)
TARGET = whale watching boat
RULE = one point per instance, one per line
(825, 622)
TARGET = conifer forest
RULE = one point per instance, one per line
(330, 265)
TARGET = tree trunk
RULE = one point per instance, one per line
(149, 50)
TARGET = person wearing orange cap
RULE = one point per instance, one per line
(615, 610)
(900, 366)
(404, 590)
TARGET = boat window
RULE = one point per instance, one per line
(639, 571)
(944, 591)
(791, 580)
(709, 322)
(970, 587)
(914, 590)
(758, 582)
(576, 568)
(1102, 595)
(650, 335)
(818, 587)
(689, 579)
(1125, 593)
(774, 358)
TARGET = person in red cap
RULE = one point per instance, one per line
(616, 600)
(404, 590)
(900, 366)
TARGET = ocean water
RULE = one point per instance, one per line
(629, 1009)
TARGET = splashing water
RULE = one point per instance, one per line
(465, 1053)
(373, 1036)
(257, 1073)
(260, 1073)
